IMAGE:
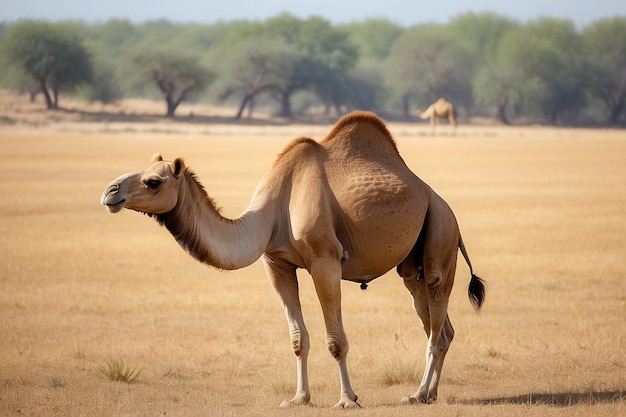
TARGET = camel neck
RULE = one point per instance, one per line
(205, 234)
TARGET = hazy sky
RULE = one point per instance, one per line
(403, 12)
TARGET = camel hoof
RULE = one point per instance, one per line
(295, 403)
(413, 400)
(286, 404)
(349, 405)
(409, 400)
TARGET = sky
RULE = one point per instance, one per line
(402, 12)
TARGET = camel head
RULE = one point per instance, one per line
(153, 190)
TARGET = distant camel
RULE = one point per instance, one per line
(440, 109)
(347, 207)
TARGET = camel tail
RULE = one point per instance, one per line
(476, 288)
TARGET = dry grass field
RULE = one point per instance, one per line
(542, 212)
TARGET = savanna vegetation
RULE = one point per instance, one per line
(546, 70)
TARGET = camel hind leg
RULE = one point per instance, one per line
(428, 274)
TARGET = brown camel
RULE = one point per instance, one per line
(344, 208)
(440, 109)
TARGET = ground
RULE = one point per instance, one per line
(542, 215)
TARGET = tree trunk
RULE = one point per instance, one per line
(250, 107)
(617, 110)
(171, 105)
(502, 104)
(55, 97)
(406, 107)
(46, 94)
(285, 104)
(242, 106)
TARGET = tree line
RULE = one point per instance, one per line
(544, 70)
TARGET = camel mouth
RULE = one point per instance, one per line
(112, 199)
(112, 206)
(115, 207)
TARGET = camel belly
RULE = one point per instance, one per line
(385, 249)
(382, 216)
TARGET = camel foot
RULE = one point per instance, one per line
(418, 400)
(409, 400)
(296, 402)
(347, 404)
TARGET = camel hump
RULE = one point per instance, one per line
(361, 131)
(299, 147)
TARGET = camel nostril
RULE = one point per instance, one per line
(113, 188)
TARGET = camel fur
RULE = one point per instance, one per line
(347, 208)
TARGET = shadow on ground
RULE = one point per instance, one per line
(559, 399)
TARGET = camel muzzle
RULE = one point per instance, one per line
(110, 198)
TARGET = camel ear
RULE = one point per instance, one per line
(156, 157)
(178, 167)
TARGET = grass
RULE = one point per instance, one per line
(116, 370)
(398, 372)
(542, 215)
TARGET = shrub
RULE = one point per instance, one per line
(116, 370)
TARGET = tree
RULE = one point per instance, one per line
(547, 53)
(605, 42)
(329, 58)
(116, 36)
(326, 56)
(427, 61)
(479, 34)
(52, 54)
(373, 38)
(366, 88)
(254, 66)
(104, 86)
(502, 83)
(177, 76)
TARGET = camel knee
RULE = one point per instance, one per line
(300, 343)
(337, 346)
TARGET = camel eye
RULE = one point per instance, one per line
(153, 184)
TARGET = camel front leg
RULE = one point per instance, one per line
(285, 283)
(327, 279)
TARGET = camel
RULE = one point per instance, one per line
(440, 109)
(347, 207)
